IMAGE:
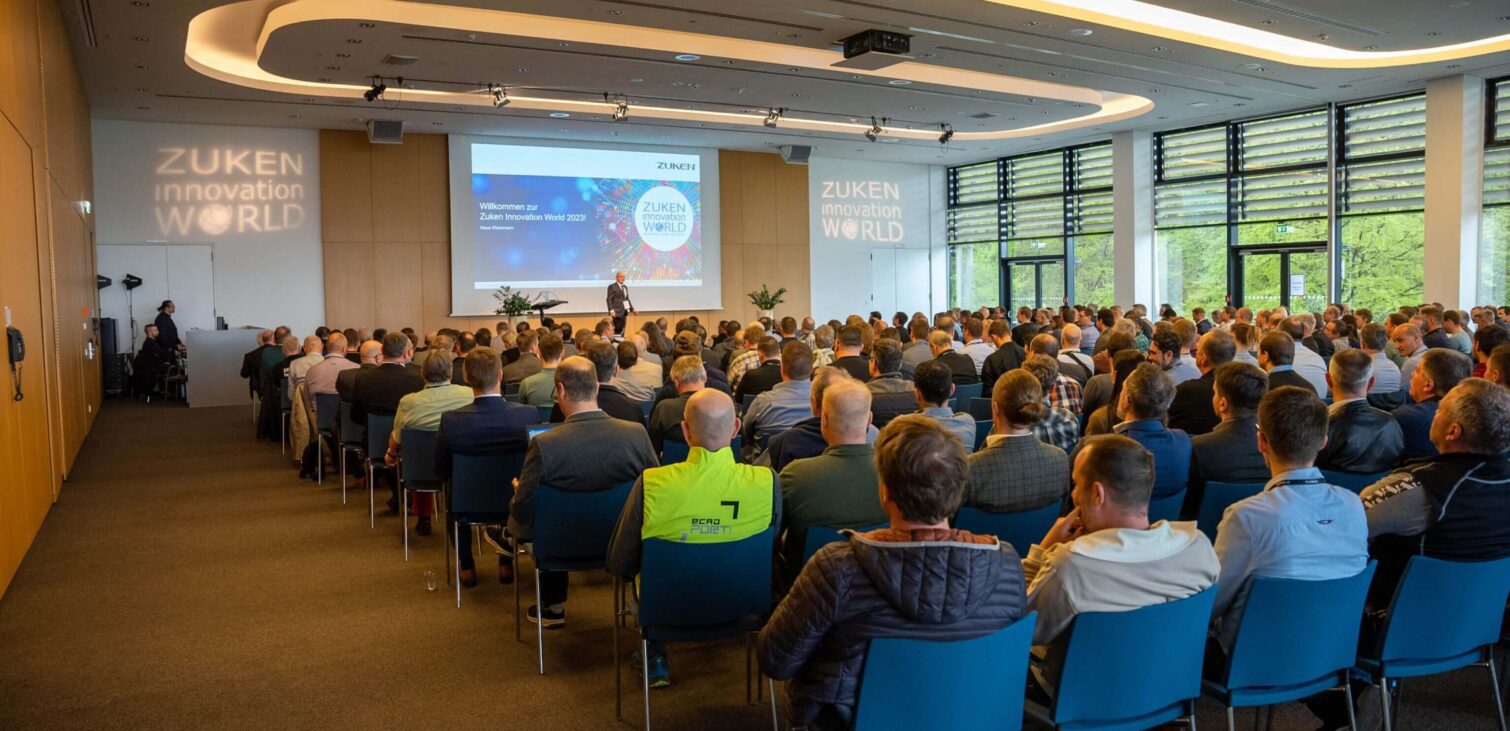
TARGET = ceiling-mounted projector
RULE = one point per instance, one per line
(875, 49)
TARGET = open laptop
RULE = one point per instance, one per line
(535, 430)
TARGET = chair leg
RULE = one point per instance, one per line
(514, 543)
(1499, 705)
(1268, 718)
(456, 544)
(343, 475)
(403, 525)
(1347, 692)
(645, 677)
(540, 622)
(748, 653)
(371, 498)
(1192, 714)
(775, 719)
(1231, 720)
(1384, 702)
(618, 660)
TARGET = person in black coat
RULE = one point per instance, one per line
(1276, 354)
(961, 367)
(1007, 356)
(1359, 438)
(151, 362)
(1229, 452)
(167, 331)
(1191, 410)
(615, 403)
(378, 390)
(251, 363)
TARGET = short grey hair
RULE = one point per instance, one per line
(438, 367)
(1350, 370)
(689, 369)
(1148, 392)
(823, 337)
(1482, 409)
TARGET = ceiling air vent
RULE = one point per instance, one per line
(394, 59)
(983, 115)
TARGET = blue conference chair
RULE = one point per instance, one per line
(1216, 499)
(646, 407)
(963, 394)
(673, 451)
(545, 413)
(416, 473)
(478, 493)
(353, 439)
(1132, 670)
(571, 532)
(916, 684)
(1351, 481)
(1445, 615)
(819, 536)
(1295, 639)
(378, 429)
(286, 406)
(982, 430)
(327, 415)
(732, 597)
(1166, 508)
(980, 409)
(511, 389)
(1021, 529)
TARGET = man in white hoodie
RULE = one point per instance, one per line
(1104, 556)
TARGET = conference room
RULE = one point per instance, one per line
(1008, 364)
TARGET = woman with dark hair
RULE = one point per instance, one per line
(1106, 417)
(658, 342)
(167, 332)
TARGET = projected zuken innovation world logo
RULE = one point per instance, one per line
(218, 190)
(862, 210)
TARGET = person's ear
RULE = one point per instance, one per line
(737, 425)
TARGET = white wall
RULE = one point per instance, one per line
(253, 193)
(855, 206)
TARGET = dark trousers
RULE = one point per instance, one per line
(464, 559)
(619, 321)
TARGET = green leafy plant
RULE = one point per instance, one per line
(765, 299)
(510, 302)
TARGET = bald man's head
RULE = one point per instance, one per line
(370, 351)
(335, 344)
(312, 344)
(709, 420)
(846, 412)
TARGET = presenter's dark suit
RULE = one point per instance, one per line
(618, 299)
(490, 425)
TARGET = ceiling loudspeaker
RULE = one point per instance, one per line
(796, 154)
(385, 131)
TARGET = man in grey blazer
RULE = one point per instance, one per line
(589, 452)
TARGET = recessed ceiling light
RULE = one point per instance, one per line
(1031, 24)
(293, 116)
(636, 80)
(563, 44)
(899, 82)
(560, 115)
(522, 70)
(140, 89)
(140, 39)
(141, 67)
(1270, 21)
(795, 95)
(324, 79)
(343, 55)
(1081, 32)
(1160, 49)
(1454, 65)
(140, 3)
(332, 68)
(1370, 48)
(615, 12)
(794, 70)
(144, 108)
(728, 62)
(687, 57)
(354, 41)
(437, 124)
(1252, 67)
(1434, 33)
(1344, 86)
(1199, 104)
(1239, 104)
(367, 25)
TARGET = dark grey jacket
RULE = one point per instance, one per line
(883, 584)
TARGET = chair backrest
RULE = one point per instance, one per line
(379, 426)
(646, 407)
(673, 451)
(914, 684)
(819, 536)
(732, 580)
(1166, 508)
(1293, 632)
(482, 485)
(327, 411)
(967, 392)
(744, 403)
(982, 430)
(352, 433)
(1443, 609)
(1217, 497)
(283, 393)
(1021, 529)
(544, 413)
(1351, 481)
(980, 409)
(418, 450)
(511, 388)
(1139, 664)
(572, 529)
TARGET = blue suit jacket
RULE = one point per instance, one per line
(1171, 453)
(1415, 424)
(486, 426)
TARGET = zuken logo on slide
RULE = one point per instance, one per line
(663, 217)
(211, 191)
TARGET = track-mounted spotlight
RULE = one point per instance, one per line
(500, 95)
(621, 111)
(376, 92)
(875, 131)
(774, 116)
(947, 135)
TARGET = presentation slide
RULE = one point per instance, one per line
(561, 221)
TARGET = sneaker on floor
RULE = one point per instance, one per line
(552, 619)
(495, 538)
(660, 674)
(1366, 712)
(422, 527)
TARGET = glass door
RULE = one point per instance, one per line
(1294, 278)
(1035, 283)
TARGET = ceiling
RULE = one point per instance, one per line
(132, 58)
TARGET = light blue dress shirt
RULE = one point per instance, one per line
(961, 424)
(778, 409)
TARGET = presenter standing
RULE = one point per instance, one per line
(619, 306)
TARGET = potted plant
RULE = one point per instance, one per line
(511, 303)
(765, 300)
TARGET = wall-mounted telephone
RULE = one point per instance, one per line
(15, 351)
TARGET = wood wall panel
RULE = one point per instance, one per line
(47, 268)
(386, 226)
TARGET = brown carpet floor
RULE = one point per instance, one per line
(188, 579)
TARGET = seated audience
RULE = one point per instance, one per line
(667, 501)
(933, 386)
(835, 488)
(1299, 527)
(916, 579)
(1483, 344)
(528, 363)
(422, 411)
(848, 347)
(1432, 334)
(1452, 504)
(1164, 350)
(1359, 438)
(748, 358)
(917, 349)
(369, 353)
(1307, 363)
(1228, 453)
(1065, 393)
(891, 392)
(1276, 355)
(786, 403)
(1192, 411)
(537, 388)
(1406, 340)
(1144, 406)
(763, 377)
(1098, 390)
(1458, 337)
(1124, 363)
(251, 363)
(1245, 337)
(1059, 427)
(1372, 339)
(961, 368)
(1014, 470)
(605, 360)
(1439, 370)
(1104, 556)
(1498, 370)
(822, 343)
(314, 354)
(687, 377)
(637, 378)
(975, 346)
(322, 377)
(589, 452)
(1007, 356)
(805, 438)
(1072, 362)
(379, 390)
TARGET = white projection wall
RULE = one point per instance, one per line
(558, 220)
(856, 208)
(252, 193)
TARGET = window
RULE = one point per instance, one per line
(1042, 221)
(1381, 201)
(1494, 242)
